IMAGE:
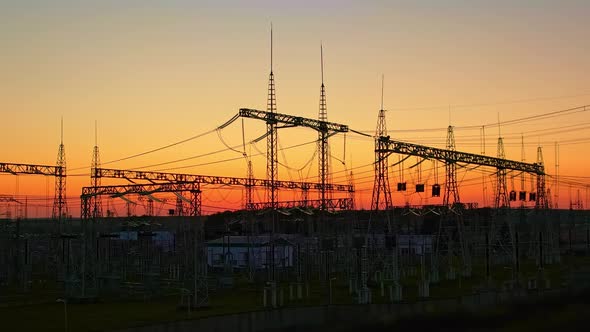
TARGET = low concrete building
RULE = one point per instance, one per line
(242, 251)
(414, 244)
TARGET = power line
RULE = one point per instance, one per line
(508, 102)
(537, 117)
(227, 123)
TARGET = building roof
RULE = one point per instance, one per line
(245, 241)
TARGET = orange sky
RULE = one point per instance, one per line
(154, 73)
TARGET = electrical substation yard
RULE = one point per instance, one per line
(301, 245)
(141, 263)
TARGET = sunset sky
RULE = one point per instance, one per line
(155, 72)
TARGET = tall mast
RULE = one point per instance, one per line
(323, 144)
(381, 199)
(96, 201)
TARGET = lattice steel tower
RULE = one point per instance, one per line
(451, 190)
(60, 207)
(351, 192)
(323, 145)
(541, 202)
(249, 186)
(501, 190)
(271, 138)
(381, 199)
(96, 201)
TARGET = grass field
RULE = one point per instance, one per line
(39, 311)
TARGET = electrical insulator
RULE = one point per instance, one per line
(436, 190)
(512, 196)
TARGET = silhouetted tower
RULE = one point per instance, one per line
(271, 139)
(501, 190)
(541, 201)
(95, 201)
(271, 163)
(351, 192)
(522, 158)
(381, 199)
(249, 187)
(483, 176)
(323, 145)
(451, 191)
(556, 183)
(179, 206)
(60, 207)
(150, 207)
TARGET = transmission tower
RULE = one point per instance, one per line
(451, 191)
(271, 139)
(60, 207)
(351, 192)
(501, 190)
(483, 176)
(249, 187)
(556, 183)
(96, 202)
(271, 166)
(381, 199)
(323, 145)
(541, 201)
(179, 205)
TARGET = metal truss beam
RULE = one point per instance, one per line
(138, 189)
(58, 172)
(214, 180)
(143, 190)
(427, 152)
(16, 169)
(293, 121)
(330, 204)
(6, 199)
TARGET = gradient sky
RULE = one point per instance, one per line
(154, 72)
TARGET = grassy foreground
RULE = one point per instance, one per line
(38, 311)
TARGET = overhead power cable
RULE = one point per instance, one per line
(225, 124)
(220, 161)
(507, 102)
(233, 148)
(536, 117)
